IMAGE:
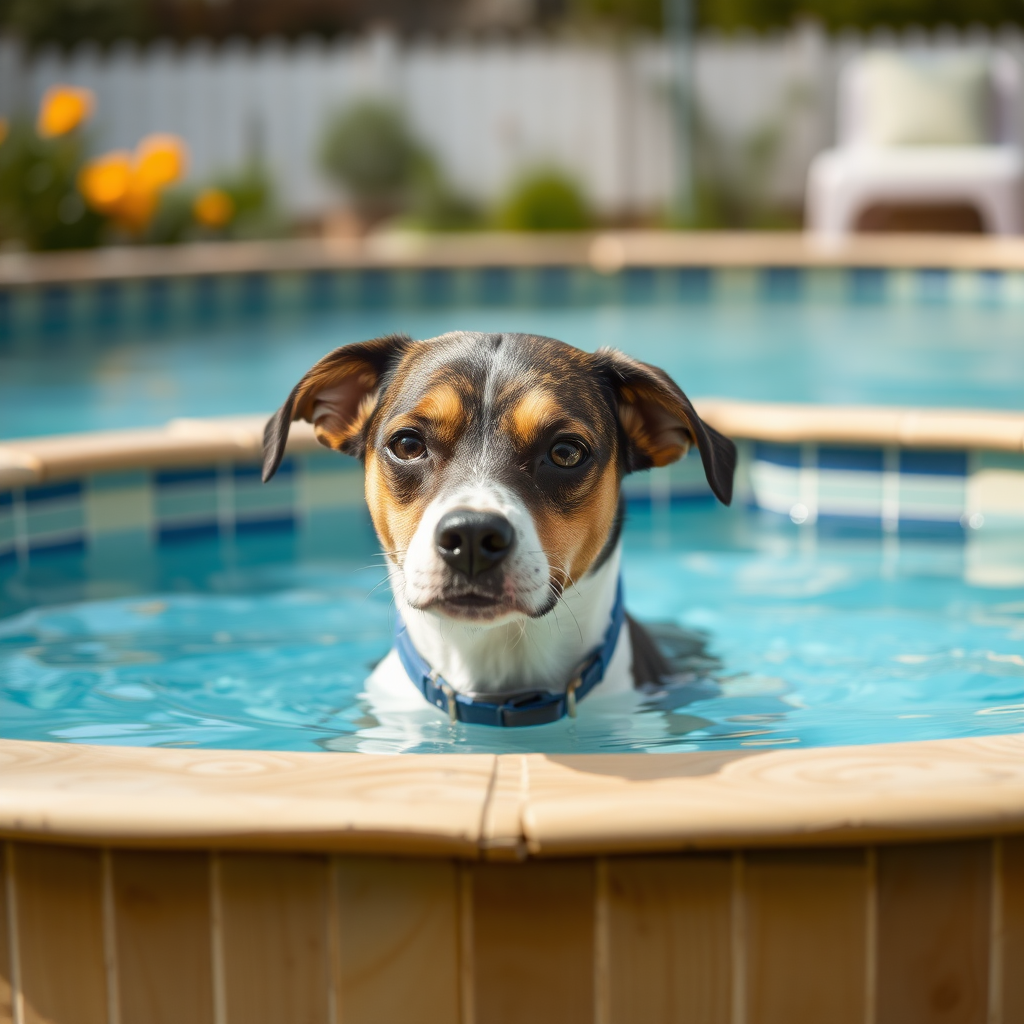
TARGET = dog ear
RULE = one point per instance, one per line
(660, 422)
(337, 396)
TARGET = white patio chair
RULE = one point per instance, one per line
(868, 167)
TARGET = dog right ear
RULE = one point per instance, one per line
(337, 396)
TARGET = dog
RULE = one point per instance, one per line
(493, 466)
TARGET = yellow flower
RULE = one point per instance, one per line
(160, 160)
(213, 208)
(106, 180)
(5, 127)
(63, 109)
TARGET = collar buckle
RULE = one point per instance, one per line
(570, 696)
(449, 693)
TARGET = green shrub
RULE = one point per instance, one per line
(544, 200)
(40, 205)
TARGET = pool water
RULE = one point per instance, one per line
(804, 351)
(783, 636)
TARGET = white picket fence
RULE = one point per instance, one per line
(487, 108)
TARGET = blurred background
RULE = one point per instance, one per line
(164, 121)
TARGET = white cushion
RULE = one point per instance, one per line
(925, 101)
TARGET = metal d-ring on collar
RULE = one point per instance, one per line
(528, 707)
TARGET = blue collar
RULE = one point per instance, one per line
(530, 707)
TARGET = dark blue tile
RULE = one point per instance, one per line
(254, 294)
(780, 454)
(933, 463)
(65, 546)
(8, 556)
(781, 284)
(696, 496)
(6, 315)
(156, 304)
(374, 289)
(553, 286)
(108, 305)
(176, 477)
(495, 286)
(933, 285)
(639, 285)
(6, 498)
(322, 290)
(932, 529)
(167, 534)
(868, 285)
(867, 460)
(51, 492)
(206, 297)
(55, 309)
(254, 470)
(268, 524)
(436, 287)
(693, 284)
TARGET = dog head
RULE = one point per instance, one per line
(494, 461)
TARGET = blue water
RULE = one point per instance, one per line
(793, 638)
(967, 355)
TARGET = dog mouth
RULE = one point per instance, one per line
(472, 605)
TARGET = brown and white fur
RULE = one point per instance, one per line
(493, 472)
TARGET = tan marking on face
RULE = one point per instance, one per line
(532, 413)
(572, 541)
(394, 522)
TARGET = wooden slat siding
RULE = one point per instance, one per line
(533, 942)
(60, 934)
(6, 966)
(1013, 931)
(275, 936)
(398, 933)
(669, 923)
(934, 904)
(162, 913)
(806, 925)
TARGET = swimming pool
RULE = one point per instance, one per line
(781, 637)
(78, 359)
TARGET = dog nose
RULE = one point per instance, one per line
(473, 542)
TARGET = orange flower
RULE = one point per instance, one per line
(106, 180)
(63, 109)
(160, 160)
(213, 208)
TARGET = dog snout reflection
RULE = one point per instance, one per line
(472, 543)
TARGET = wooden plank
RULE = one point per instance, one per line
(933, 933)
(274, 910)
(669, 939)
(398, 940)
(533, 942)
(806, 936)
(162, 913)
(6, 968)
(1013, 930)
(60, 934)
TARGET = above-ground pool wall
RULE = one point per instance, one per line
(902, 934)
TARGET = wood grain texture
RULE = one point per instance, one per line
(275, 936)
(533, 943)
(249, 799)
(669, 939)
(933, 933)
(806, 936)
(398, 930)
(60, 934)
(621, 803)
(6, 967)
(1012, 978)
(164, 954)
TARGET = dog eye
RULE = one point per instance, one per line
(407, 445)
(567, 453)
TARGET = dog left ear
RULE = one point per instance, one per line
(337, 396)
(661, 423)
